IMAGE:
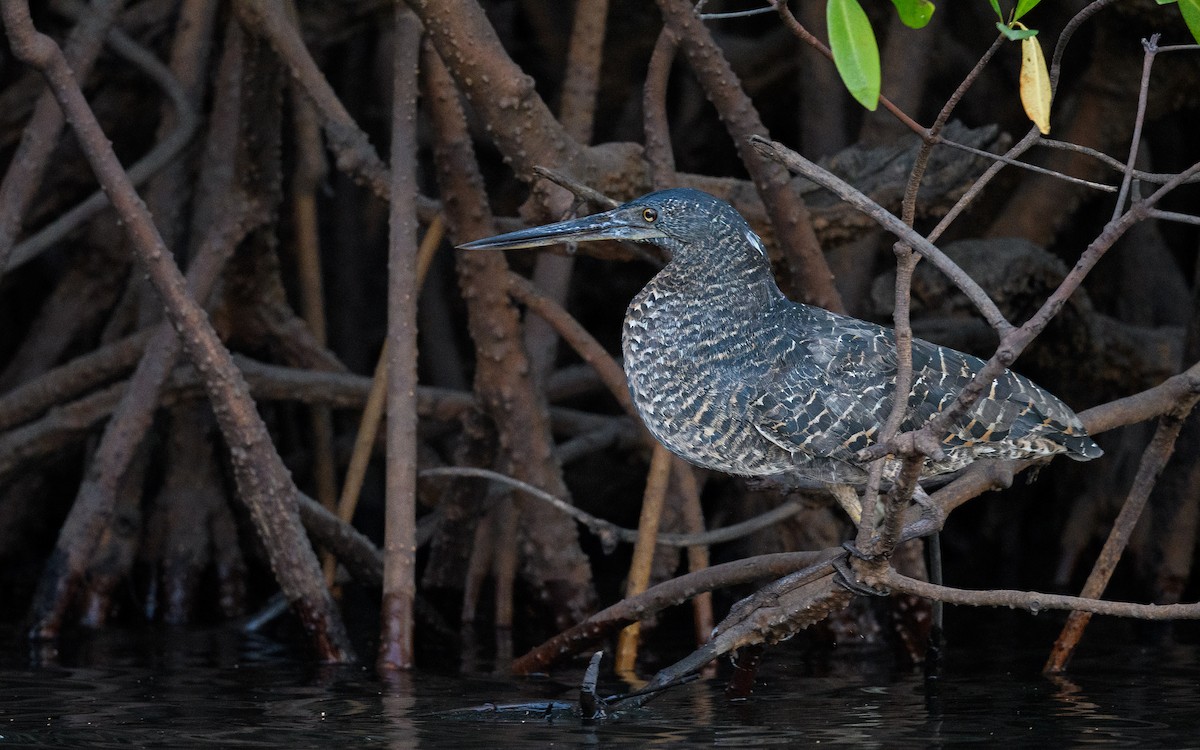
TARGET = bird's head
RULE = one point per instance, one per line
(692, 225)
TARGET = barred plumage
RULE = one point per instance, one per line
(733, 376)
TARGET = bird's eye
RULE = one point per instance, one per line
(650, 215)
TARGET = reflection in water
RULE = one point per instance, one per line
(397, 703)
(176, 689)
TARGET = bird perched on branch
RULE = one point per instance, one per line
(731, 375)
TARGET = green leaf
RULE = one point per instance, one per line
(1164, 2)
(1015, 34)
(1191, 16)
(1023, 7)
(914, 13)
(996, 7)
(855, 53)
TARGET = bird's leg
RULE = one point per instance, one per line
(847, 497)
(930, 511)
(921, 497)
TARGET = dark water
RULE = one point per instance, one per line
(222, 688)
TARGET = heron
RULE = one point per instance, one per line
(731, 375)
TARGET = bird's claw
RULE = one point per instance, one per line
(853, 550)
(930, 510)
(845, 577)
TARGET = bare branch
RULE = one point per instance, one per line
(1034, 601)
(798, 164)
(609, 532)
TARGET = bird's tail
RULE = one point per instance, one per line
(1080, 446)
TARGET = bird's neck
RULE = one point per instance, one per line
(736, 288)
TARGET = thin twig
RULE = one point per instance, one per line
(1155, 213)
(1015, 341)
(1156, 178)
(1030, 138)
(1102, 187)
(372, 414)
(800, 165)
(1035, 601)
(581, 191)
(793, 24)
(1135, 141)
(310, 173)
(609, 532)
(769, 8)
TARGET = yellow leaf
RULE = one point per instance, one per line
(1035, 84)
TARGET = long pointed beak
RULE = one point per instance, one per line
(618, 224)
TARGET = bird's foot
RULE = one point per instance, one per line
(853, 550)
(930, 510)
(845, 576)
(921, 497)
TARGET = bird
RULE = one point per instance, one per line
(731, 375)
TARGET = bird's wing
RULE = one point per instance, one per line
(1013, 410)
(828, 391)
(826, 388)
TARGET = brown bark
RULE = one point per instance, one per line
(554, 563)
(461, 509)
(28, 165)
(790, 221)
(180, 527)
(118, 447)
(655, 600)
(72, 313)
(261, 476)
(115, 550)
(400, 544)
